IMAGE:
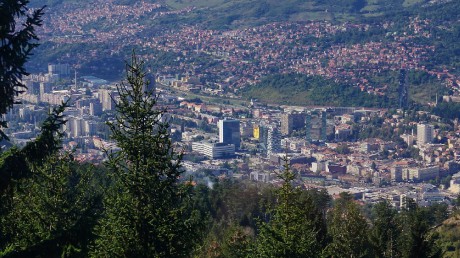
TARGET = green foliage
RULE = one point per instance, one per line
(449, 233)
(53, 210)
(219, 14)
(148, 212)
(239, 203)
(347, 229)
(299, 89)
(408, 233)
(48, 203)
(416, 238)
(448, 110)
(384, 233)
(343, 149)
(446, 43)
(294, 225)
(237, 242)
(17, 163)
(346, 5)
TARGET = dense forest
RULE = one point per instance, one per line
(299, 89)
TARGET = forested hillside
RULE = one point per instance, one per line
(224, 14)
(354, 44)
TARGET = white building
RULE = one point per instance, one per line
(76, 127)
(318, 166)
(214, 150)
(455, 184)
(262, 176)
(89, 128)
(420, 174)
(61, 69)
(425, 134)
(106, 97)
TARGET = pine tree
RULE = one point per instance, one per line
(236, 242)
(16, 44)
(148, 213)
(292, 230)
(17, 164)
(385, 232)
(53, 210)
(416, 238)
(348, 230)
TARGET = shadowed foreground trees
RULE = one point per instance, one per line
(48, 202)
(348, 229)
(305, 223)
(16, 44)
(296, 227)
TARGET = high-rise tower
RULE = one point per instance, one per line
(425, 133)
(308, 127)
(273, 140)
(323, 126)
(229, 132)
(403, 91)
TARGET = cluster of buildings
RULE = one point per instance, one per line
(244, 56)
(319, 143)
(71, 23)
(91, 101)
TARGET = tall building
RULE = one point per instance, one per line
(291, 121)
(286, 123)
(420, 173)
(273, 141)
(316, 126)
(261, 133)
(95, 108)
(75, 126)
(45, 87)
(229, 132)
(256, 132)
(89, 128)
(106, 97)
(32, 87)
(323, 126)
(425, 134)
(396, 174)
(308, 127)
(61, 69)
